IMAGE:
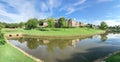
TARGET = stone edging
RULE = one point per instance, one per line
(34, 58)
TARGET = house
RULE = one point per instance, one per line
(45, 24)
(73, 23)
(70, 22)
(81, 24)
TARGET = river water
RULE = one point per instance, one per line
(70, 50)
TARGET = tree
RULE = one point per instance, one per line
(2, 40)
(51, 22)
(31, 23)
(21, 24)
(40, 22)
(1, 26)
(62, 22)
(103, 25)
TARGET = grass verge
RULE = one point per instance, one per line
(10, 54)
(55, 31)
(113, 58)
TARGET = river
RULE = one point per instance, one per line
(70, 50)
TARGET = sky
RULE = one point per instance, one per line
(86, 11)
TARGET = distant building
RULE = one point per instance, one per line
(73, 23)
(81, 24)
(45, 24)
(70, 22)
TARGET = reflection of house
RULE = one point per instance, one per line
(46, 41)
(74, 42)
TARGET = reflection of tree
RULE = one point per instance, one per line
(61, 43)
(90, 37)
(32, 43)
(21, 40)
(104, 37)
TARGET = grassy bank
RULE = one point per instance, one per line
(54, 31)
(113, 58)
(10, 54)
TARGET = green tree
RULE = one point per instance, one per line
(103, 25)
(51, 22)
(21, 24)
(1, 26)
(32, 23)
(2, 40)
(62, 22)
(40, 22)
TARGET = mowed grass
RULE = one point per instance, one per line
(113, 58)
(10, 54)
(55, 31)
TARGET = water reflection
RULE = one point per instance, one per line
(70, 50)
(104, 37)
(33, 43)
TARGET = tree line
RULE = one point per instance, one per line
(34, 22)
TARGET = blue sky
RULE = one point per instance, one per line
(87, 11)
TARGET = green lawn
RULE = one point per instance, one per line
(10, 54)
(54, 31)
(113, 58)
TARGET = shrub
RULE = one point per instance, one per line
(43, 29)
(2, 40)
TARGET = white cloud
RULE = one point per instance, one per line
(111, 22)
(53, 4)
(117, 6)
(79, 2)
(100, 1)
(44, 7)
(72, 7)
(26, 10)
(70, 10)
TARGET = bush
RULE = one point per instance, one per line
(55, 29)
(2, 40)
(43, 29)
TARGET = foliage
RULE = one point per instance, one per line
(51, 22)
(1, 26)
(62, 22)
(89, 26)
(43, 29)
(103, 25)
(21, 24)
(32, 23)
(40, 22)
(2, 40)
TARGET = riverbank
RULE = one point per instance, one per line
(10, 54)
(115, 57)
(55, 31)
(51, 33)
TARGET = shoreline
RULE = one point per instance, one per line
(15, 35)
(30, 56)
(45, 37)
(103, 58)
